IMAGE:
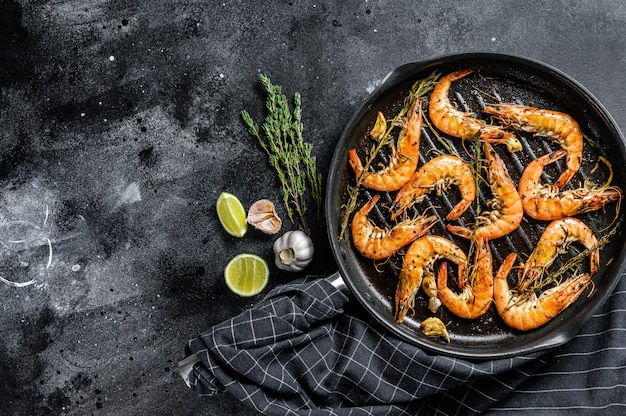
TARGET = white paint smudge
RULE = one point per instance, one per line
(129, 195)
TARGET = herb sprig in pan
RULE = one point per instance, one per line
(281, 138)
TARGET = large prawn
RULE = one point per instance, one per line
(546, 202)
(447, 118)
(438, 174)
(554, 125)
(524, 311)
(555, 239)
(476, 292)
(377, 243)
(507, 211)
(418, 262)
(403, 160)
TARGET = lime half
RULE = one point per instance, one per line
(231, 214)
(246, 274)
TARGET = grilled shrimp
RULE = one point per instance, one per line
(555, 239)
(377, 243)
(545, 202)
(464, 125)
(418, 262)
(403, 160)
(476, 292)
(553, 125)
(507, 211)
(529, 311)
(438, 174)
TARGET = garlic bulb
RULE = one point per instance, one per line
(293, 251)
(262, 216)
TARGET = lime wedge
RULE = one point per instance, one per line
(246, 274)
(231, 214)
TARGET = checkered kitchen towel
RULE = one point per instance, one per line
(307, 350)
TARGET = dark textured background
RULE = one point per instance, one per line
(119, 127)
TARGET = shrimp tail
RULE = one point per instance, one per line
(369, 205)
(565, 294)
(460, 74)
(458, 210)
(355, 163)
(507, 265)
(460, 231)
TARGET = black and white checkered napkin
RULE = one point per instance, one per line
(307, 350)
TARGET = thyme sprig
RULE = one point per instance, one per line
(288, 153)
(476, 165)
(419, 88)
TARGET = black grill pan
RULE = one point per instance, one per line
(495, 78)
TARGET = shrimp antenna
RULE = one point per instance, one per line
(593, 288)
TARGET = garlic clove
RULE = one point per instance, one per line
(380, 127)
(434, 327)
(262, 216)
(433, 304)
(269, 226)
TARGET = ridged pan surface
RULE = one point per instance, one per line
(495, 78)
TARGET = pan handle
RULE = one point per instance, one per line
(336, 280)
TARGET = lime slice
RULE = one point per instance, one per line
(246, 274)
(231, 214)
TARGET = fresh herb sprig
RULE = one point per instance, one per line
(291, 157)
(477, 167)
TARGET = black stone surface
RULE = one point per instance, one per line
(119, 127)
